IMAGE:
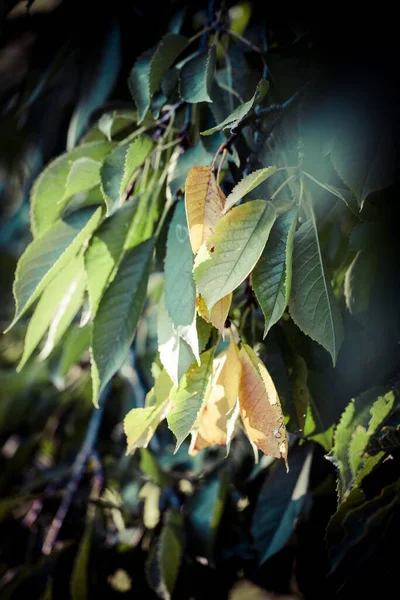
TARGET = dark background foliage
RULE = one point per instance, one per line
(51, 64)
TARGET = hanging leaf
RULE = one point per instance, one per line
(76, 341)
(280, 502)
(197, 75)
(219, 313)
(230, 254)
(247, 184)
(48, 254)
(187, 400)
(359, 281)
(204, 203)
(237, 116)
(272, 275)
(180, 290)
(63, 177)
(197, 155)
(106, 250)
(146, 75)
(360, 420)
(312, 304)
(175, 354)
(260, 408)
(221, 409)
(165, 555)
(118, 168)
(79, 579)
(56, 308)
(117, 316)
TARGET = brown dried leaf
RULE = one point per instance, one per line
(260, 407)
(204, 203)
(219, 312)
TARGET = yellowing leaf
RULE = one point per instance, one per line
(260, 407)
(219, 313)
(204, 204)
(141, 423)
(217, 421)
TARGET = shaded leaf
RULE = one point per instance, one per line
(230, 254)
(312, 304)
(187, 400)
(118, 168)
(204, 203)
(219, 313)
(260, 408)
(197, 155)
(235, 118)
(79, 579)
(48, 254)
(197, 75)
(75, 343)
(117, 316)
(141, 423)
(280, 502)
(272, 275)
(50, 193)
(247, 184)
(56, 308)
(359, 280)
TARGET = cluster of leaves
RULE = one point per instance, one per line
(188, 241)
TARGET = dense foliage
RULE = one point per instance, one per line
(212, 267)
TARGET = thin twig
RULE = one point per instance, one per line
(284, 184)
(76, 474)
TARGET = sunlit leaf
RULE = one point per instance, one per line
(48, 254)
(117, 316)
(272, 275)
(260, 408)
(231, 253)
(247, 184)
(219, 313)
(204, 203)
(196, 77)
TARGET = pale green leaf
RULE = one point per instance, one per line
(272, 275)
(345, 195)
(146, 75)
(359, 281)
(118, 168)
(235, 118)
(247, 184)
(175, 354)
(165, 555)
(312, 304)
(141, 423)
(117, 316)
(180, 289)
(75, 171)
(75, 343)
(187, 399)
(231, 253)
(48, 254)
(106, 250)
(56, 308)
(197, 75)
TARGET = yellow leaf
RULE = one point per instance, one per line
(204, 203)
(217, 421)
(260, 407)
(219, 312)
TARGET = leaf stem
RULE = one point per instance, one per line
(283, 185)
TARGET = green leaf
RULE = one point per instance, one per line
(231, 253)
(362, 155)
(146, 75)
(345, 195)
(165, 555)
(141, 423)
(247, 184)
(152, 470)
(118, 168)
(359, 421)
(187, 399)
(48, 254)
(175, 354)
(272, 275)
(79, 578)
(197, 75)
(117, 316)
(359, 281)
(106, 250)
(235, 118)
(75, 171)
(312, 304)
(56, 308)
(180, 289)
(75, 343)
(280, 502)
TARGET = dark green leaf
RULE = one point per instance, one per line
(197, 75)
